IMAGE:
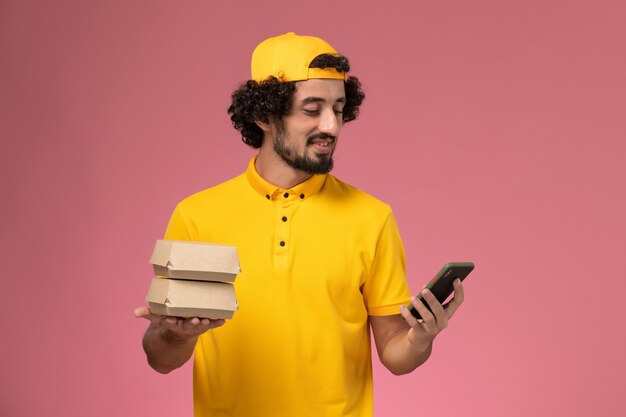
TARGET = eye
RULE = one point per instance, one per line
(311, 112)
(338, 111)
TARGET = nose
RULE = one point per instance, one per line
(330, 122)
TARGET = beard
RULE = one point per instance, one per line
(322, 165)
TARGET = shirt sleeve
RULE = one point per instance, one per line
(178, 227)
(386, 287)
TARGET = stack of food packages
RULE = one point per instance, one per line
(193, 279)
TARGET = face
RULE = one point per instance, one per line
(307, 136)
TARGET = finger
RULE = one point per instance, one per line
(145, 313)
(216, 323)
(459, 292)
(459, 297)
(408, 317)
(438, 312)
(197, 325)
(190, 324)
(428, 320)
(207, 324)
(171, 323)
(171, 320)
(141, 312)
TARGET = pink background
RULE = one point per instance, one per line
(495, 129)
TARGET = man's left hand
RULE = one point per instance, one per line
(423, 331)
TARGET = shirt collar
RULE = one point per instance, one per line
(301, 191)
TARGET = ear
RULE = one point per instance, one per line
(266, 127)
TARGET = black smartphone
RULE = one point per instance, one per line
(441, 284)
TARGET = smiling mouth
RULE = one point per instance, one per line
(322, 139)
(324, 143)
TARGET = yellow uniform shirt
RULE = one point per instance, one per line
(316, 260)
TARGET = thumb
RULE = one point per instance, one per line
(142, 312)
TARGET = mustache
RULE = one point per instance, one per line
(309, 140)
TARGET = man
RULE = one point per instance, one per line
(322, 261)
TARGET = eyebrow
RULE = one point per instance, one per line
(320, 100)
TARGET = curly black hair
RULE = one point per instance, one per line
(271, 99)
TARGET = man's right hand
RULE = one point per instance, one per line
(169, 341)
(179, 327)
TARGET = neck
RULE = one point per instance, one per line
(274, 170)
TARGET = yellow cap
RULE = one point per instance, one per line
(287, 57)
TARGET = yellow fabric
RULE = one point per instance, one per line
(299, 345)
(287, 57)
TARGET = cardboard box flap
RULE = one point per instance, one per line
(173, 258)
